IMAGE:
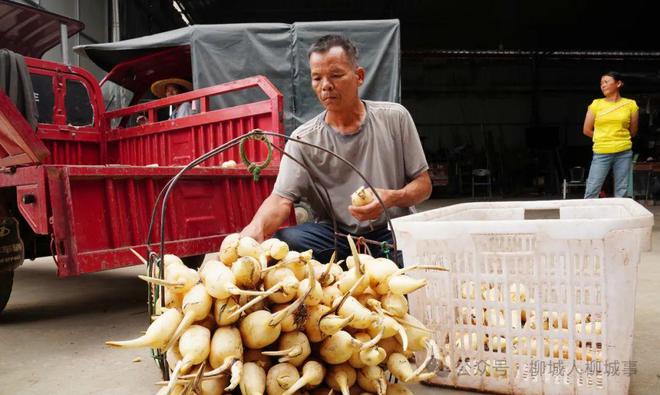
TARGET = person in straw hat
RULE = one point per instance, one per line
(170, 87)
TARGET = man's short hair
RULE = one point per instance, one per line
(323, 45)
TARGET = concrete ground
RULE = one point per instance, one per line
(52, 332)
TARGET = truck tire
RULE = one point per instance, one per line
(6, 282)
(193, 262)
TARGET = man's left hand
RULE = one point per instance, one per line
(373, 210)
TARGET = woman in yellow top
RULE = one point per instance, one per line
(610, 122)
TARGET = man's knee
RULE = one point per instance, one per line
(305, 236)
(292, 236)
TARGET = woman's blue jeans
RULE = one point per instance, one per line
(601, 164)
(320, 237)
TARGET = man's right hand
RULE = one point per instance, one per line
(269, 217)
(253, 231)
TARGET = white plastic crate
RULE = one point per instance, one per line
(540, 296)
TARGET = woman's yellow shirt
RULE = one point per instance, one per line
(612, 125)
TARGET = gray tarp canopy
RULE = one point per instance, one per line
(221, 53)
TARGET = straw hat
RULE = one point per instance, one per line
(158, 87)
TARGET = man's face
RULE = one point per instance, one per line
(335, 79)
(171, 90)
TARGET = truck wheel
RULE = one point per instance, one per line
(193, 262)
(6, 282)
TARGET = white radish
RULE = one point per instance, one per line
(256, 303)
(398, 389)
(172, 356)
(330, 293)
(248, 247)
(280, 378)
(230, 164)
(362, 197)
(220, 282)
(362, 316)
(403, 285)
(396, 305)
(214, 386)
(589, 328)
(355, 360)
(311, 287)
(492, 295)
(401, 368)
(372, 356)
(367, 297)
(247, 272)
(312, 375)
(173, 300)
(287, 279)
(327, 274)
(226, 352)
(379, 271)
(196, 307)
(392, 345)
(226, 347)
(228, 249)
(290, 323)
(158, 334)
(350, 261)
(391, 328)
(223, 310)
(261, 328)
(253, 381)
(331, 323)
(257, 357)
(236, 375)
(418, 335)
(267, 244)
(178, 277)
(341, 378)
(294, 348)
(372, 379)
(354, 275)
(518, 293)
(257, 331)
(194, 347)
(400, 284)
(296, 262)
(339, 347)
(277, 249)
(313, 322)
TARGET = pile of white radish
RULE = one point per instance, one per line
(551, 322)
(265, 320)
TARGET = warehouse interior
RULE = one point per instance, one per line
(501, 86)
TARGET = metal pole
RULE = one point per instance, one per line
(115, 21)
(77, 37)
(64, 38)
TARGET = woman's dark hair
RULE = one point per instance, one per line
(323, 45)
(615, 75)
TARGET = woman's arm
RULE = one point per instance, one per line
(634, 124)
(588, 128)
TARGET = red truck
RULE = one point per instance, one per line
(81, 185)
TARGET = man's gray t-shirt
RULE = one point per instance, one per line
(386, 149)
